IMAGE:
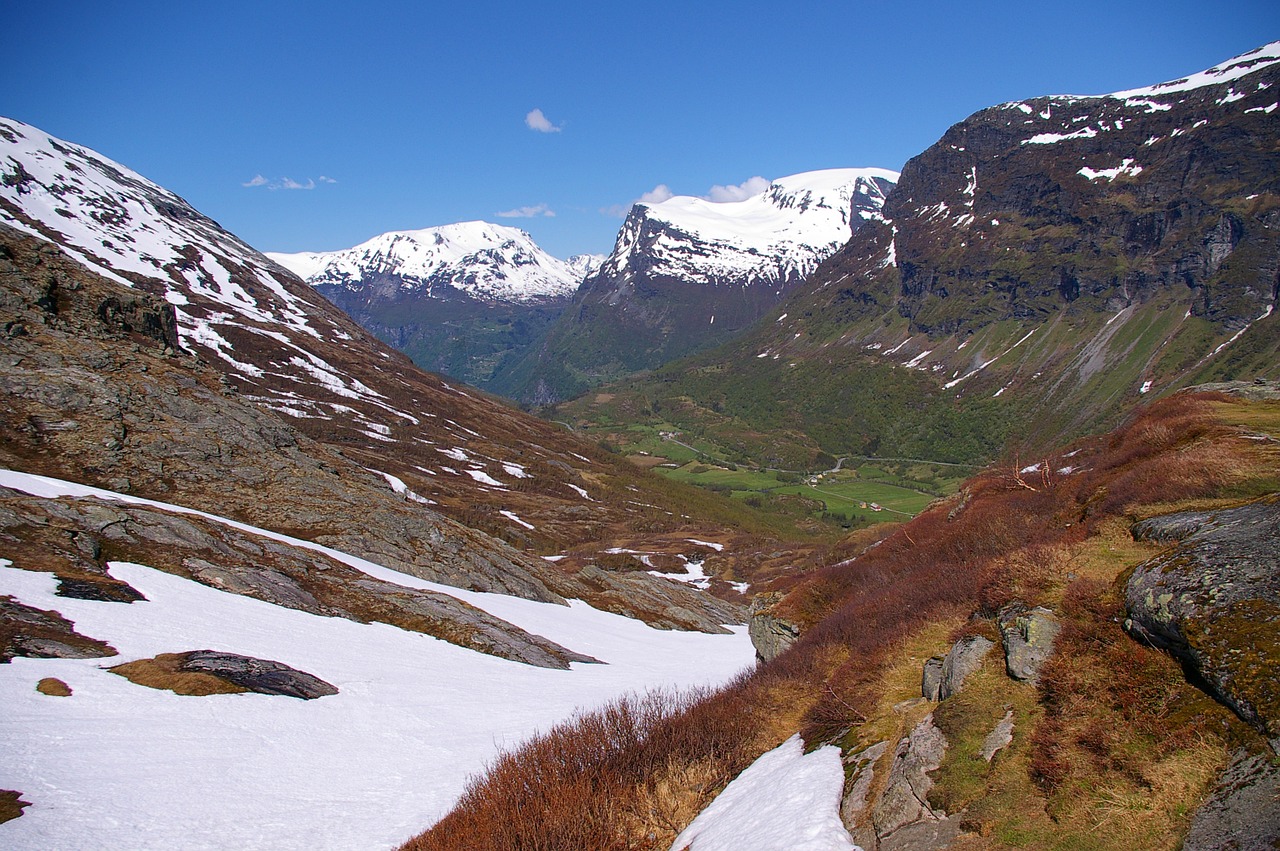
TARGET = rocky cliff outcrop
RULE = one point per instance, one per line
(1213, 601)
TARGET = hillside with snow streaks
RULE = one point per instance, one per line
(468, 259)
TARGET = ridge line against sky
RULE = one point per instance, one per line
(313, 126)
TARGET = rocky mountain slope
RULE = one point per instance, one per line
(687, 273)
(150, 352)
(1038, 271)
(458, 299)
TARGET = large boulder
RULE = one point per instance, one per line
(770, 634)
(1243, 811)
(1213, 601)
(263, 676)
(1028, 636)
(964, 658)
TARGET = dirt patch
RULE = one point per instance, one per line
(162, 672)
(53, 687)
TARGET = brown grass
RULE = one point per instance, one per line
(11, 805)
(1112, 724)
(53, 687)
(161, 672)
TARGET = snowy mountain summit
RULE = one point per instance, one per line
(468, 259)
(780, 234)
(688, 273)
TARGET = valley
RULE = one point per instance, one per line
(853, 509)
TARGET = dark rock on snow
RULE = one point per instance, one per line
(257, 675)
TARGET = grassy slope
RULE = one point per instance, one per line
(1112, 750)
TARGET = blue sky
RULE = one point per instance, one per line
(355, 119)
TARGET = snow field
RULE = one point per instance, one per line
(118, 765)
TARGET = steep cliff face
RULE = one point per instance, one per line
(688, 273)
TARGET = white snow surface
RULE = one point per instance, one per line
(118, 765)
(786, 801)
(480, 259)
(784, 231)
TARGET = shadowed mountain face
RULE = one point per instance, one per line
(1040, 270)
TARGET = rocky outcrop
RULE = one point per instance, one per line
(1213, 601)
(75, 537)
(1000, 737)
(41, 634)
(770, 634)
(262, 676)
(1028, 637)
(964, 658)
(1242, 813)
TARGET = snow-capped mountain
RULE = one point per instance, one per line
(687, 273)
(458, 299)
(777, 236)
(468, 259)
(1042, 269)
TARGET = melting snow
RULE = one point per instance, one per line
(1126, 168)
(119, 765)
(511, 515)
(786, 799)
(484, 478)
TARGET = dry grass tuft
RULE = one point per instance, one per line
(161, 672)
(53, 687)
(11, 805)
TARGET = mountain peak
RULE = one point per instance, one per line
(475, 259)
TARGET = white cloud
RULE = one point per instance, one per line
(717, 194)
(748, 188)
(656, 195)
(528, 212)
(287, 182)
(535, 120)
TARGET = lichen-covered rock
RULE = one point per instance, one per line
(1243, 811)
(257, 675)
(905, 799)
(1028, 637)
(770, 634)
(854, 805)
(931, 679)
(963, 659)
(1213, 601)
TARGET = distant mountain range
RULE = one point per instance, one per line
(459, 299)
(688, 273)
(1035, 274)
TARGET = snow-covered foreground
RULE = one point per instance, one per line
(118, 765)
(786, 801)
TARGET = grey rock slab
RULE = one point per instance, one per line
(1213, 601)
(964, 658)
(263, 676)
(905, 799)
(999, 738)
(1028, 637)
(1242, 813)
